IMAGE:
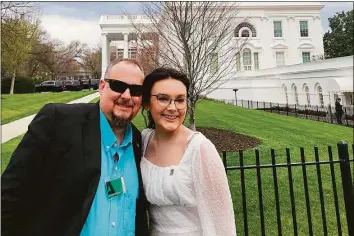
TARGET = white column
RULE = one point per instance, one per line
(105, 56)
(126, 45)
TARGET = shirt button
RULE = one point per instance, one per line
(107, 147)
(113, 224)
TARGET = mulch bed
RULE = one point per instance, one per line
(226, 140)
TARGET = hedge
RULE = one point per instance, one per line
(23, 84)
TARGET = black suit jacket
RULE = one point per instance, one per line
(51, 180)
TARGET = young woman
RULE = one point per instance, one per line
(183, 175)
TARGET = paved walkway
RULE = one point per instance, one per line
(18, 127)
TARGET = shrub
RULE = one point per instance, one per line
(23, 84)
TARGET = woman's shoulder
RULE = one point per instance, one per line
(146, 132)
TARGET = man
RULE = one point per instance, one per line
(339, 111)
(76, 170)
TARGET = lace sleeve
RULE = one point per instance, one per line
(213, 195)
(145, 135)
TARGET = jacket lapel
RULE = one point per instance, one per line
(91, 140)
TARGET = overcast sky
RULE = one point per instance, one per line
(69, 21)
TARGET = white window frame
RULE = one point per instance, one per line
(214, 69)
(238, 61)
(276, 58)
(255, 62)
(281, 29)
(302, 56)
(307, 94)
(247, 67)
(319, 93)
(295, 93)
(308, 28)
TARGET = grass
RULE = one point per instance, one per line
(276, 132)
(18, 106)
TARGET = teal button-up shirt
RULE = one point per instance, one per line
(116, 216)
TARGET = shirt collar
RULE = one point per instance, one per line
(108, 136)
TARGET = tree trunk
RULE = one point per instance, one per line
(192, 117)
(12, 87)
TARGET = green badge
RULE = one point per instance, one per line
(115, 187)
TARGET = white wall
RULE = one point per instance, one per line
(266, 85)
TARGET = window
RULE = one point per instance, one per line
(307, 93)
(320, 95)
(132, 53)
(286, 94)
(247, 61)
(279, 58)
(214, 63)
(247, 25)
(277, 29)
(256, 61)
(304, 30)
(113, 55)
(306, 57)
(245, 34)
(238, 62)
(120, 53)
(296, 95)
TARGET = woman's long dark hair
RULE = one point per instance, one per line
(158, 74)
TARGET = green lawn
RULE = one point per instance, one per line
(18, 106)
(276, 132)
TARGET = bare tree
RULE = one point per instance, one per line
(10, 10)
(58, 58)
(91, 60)
(194, 37)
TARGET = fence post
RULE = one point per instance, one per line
(248, 104)
(295, 111)
(242, 102)
(264, 106)
(257, 104)
(306, 112)
(271, 110)
(347, 185)
(287, 109)
(278, 108)
(330, 113)
(224, 160)
(345, 115)
(318, 115)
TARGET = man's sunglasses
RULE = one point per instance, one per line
(120, 87)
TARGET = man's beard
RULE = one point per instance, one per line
(120, 122)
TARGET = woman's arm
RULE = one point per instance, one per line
(212, 192)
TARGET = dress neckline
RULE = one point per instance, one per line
(189, 139)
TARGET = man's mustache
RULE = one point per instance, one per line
(124, 103)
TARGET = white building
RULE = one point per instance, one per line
(274, 65)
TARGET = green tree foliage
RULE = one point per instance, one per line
(18, 37)
(338, 41)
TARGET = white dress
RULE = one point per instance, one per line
(191, 198)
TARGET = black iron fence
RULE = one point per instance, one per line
(318, 113)
(346, 183)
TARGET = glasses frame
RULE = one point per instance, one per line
(170, 101)
(119, 86)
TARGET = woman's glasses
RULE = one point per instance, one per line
(120, 87)
(164, 101)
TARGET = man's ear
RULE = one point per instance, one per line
(101, 86)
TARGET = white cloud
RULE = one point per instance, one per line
(67, 29)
